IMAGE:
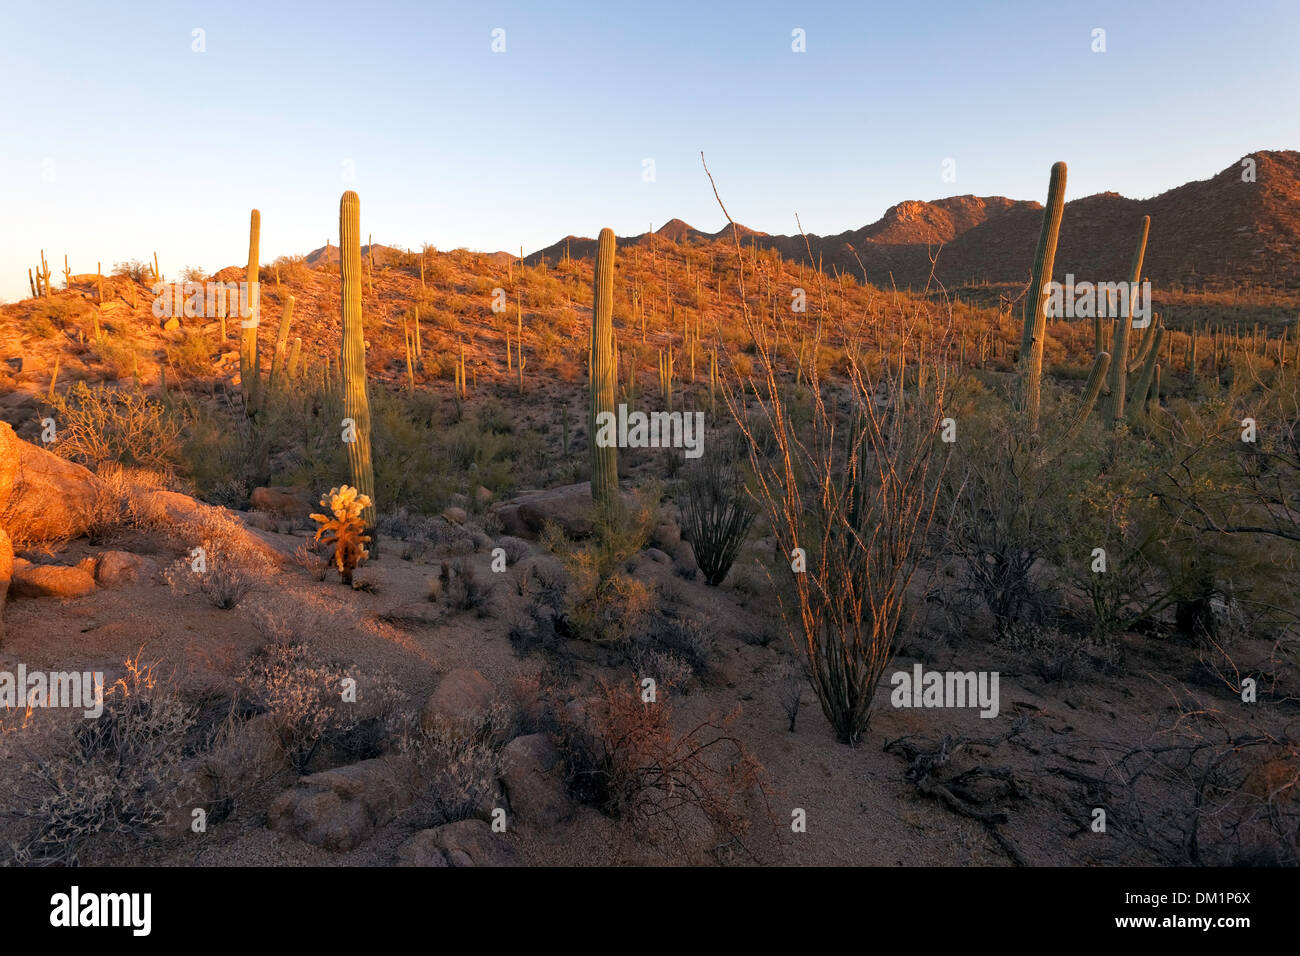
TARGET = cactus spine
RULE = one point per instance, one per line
(248, 324)
(604, 461)
(356, 404)
(1035, 311)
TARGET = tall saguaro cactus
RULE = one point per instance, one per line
(248, 372)
(1119, 366)
(1035, 324)
(604, 461)
(356, 404)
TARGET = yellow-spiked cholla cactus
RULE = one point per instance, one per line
(604, 461)
(356, 404)
(344, 529)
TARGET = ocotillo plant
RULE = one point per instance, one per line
(356, 403)
(248, 324)
(1035, 312)
(604, 461)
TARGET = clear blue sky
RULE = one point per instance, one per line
(118, 139)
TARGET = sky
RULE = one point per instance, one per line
(120, 137)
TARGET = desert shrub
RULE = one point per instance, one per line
(463, 588)
(98, 424)
(134, 269)
(682, 639)
(673, 790)
(306, 696)
(457, 765)
(223, 571)
(716, 513)
(1055, 655)
(112, 774)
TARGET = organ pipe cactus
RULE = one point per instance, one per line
(604, 461)
(1035, 312)
(356, 404)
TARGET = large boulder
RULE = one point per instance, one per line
(465, 843)
(115, 569)
(281, 500)
(6, 574)
(338, 809)
(568, 506)
(533, 780)
(50, 498)
(52, 580)
(464, 696)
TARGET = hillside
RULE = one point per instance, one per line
(1209, 234)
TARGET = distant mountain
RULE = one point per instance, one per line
(1218, 232)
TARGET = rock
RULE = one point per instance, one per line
(657, 556)
(482, 541)
(666, 535)
(338, 809)
(281, 500)
(455, 515)
(465, 843)
(533, 780)
(463, 696)
(6, 574)
(50, 498)
(482, 495)
(115, 569)
(684, 559)
(568, 506)
(51, 580)
(8, 465)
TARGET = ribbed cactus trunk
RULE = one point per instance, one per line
(248, 374)
(1035, 322)
(1119, 362)
(279, 373)
(604, 461)
(356, 404)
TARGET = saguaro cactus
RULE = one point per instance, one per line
(356, 404)
(1035, 313)
(279, 373)
(604, 461)
(248, 373)
(1119, 368)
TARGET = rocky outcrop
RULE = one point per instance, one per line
(465, 843)
(464, 696)
(338, 809)
(48, 498)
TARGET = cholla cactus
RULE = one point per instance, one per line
(346, 530)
